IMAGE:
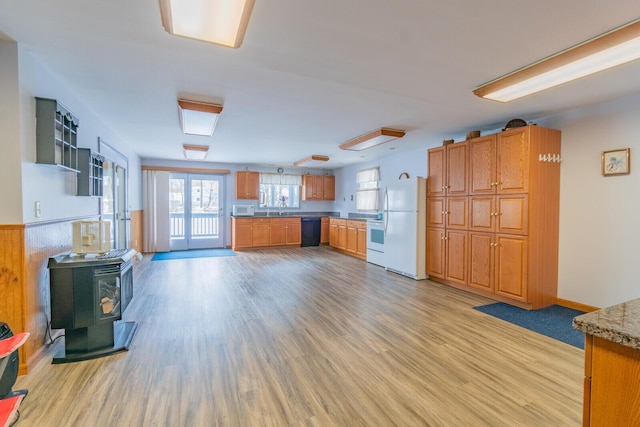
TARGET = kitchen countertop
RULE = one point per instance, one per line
(619, 323)
(351, 216)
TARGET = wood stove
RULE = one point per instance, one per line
(89, 294)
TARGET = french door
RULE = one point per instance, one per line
(114, 205)
(195, 210)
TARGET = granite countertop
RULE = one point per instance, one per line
(619, 323)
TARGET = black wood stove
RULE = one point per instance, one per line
(89, 294)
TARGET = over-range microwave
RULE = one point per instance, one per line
(244, 210)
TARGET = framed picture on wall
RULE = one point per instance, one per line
(616, 162)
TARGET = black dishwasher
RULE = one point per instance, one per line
(310, 228)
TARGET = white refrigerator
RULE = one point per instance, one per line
(405, 225)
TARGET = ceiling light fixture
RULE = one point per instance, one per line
(372, 139)
(222, 22)
(313, 157)
(198, 118)
(195, 152)
(608, 50)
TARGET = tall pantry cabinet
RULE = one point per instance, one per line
(499, 235)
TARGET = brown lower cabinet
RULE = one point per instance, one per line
(612, 375)
(348, 236)
(254, 232)
(324, 231)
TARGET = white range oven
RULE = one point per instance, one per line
(375, 242)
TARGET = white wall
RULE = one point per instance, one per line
(10, 173)
(599, 216)
(53, 188)
(413, 162)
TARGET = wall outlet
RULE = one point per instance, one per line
(38, 210)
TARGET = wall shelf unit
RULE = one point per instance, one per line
(90, 165)
(56, 135)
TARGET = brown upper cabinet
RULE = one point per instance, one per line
(247, 185)
(448, 170)
(318, 187)
(329, 187)
(499, 164)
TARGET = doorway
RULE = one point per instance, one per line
(114, 206)
(195, 209)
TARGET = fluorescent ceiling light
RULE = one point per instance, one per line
(371, 139)
(611, 49)
(198, 118)
(195, 152)
(222, 22)
(313, 159)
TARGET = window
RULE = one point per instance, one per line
(279, 190)
(367, 194)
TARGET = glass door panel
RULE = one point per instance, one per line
(177, 212)
(195, 211)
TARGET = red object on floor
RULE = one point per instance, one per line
(8, 409)
(11, 344)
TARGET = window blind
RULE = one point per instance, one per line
(280, 179)
(367, 195)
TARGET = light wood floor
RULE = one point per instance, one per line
(308, 337)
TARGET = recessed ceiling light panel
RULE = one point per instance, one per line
(609, 50)
(198, 118)
(372, 139)
(222, 22)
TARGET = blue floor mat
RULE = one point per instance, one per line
(554, 321)
(195, 253)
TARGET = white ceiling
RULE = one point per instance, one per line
(313, 74)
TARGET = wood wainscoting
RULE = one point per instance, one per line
(135, 240)
(12, 279)
(24, 281)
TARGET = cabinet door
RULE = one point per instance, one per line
(318, 184)
(324, 231)
(482, 165)
(342, 236)
(435, 252)
(293, 234)
(436, 179)
(329, 187)
(242, 233)
(512, 214)
(261, 233)
(276, 231)
(241, 185)
(247, 185)
(333, 235)
(436, 212)
(362, 241)
(352, 237)
(456, 170)
(456, 256)
(481, 260)
(457, 215)
(511, 266)
(482, 213)
(310, 187)
(513, 161)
